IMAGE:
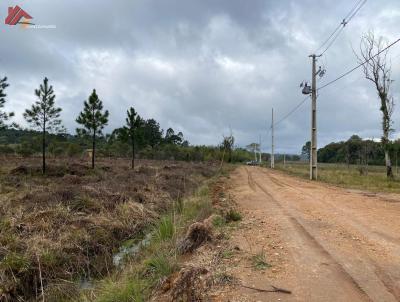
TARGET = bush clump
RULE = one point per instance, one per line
(233, 215)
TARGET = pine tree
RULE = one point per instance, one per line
(93, 120)
(4, 116)
(133, 123)
(43, 115)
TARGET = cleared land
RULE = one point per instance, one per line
(61, 231)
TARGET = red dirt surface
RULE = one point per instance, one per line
(323, 243)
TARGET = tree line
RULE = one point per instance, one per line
(145, 137)
(356, 151)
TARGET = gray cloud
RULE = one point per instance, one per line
(201, 67)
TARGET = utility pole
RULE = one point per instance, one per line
(259, 146)
(284, 161)
(273, 146)
(313, 153)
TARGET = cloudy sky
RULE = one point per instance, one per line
(202, 66)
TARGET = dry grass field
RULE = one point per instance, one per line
(59, 230)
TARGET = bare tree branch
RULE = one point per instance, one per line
(377, 69)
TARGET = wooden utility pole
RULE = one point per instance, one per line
(259, 146)
(284, 161)
(272, 145)
(313, 153)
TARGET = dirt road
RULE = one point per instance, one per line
(324, 243)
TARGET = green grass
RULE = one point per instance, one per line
(227, 254)
(347, 176)
(165, 229)
(160, 265)
(259, 261)
(15, 262)
(233, 215)
(129, 290)
(178, 205)
(218, 221)
(198, 207)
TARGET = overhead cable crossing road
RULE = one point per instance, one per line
(333, 81)
(358, 66)
(338, 30)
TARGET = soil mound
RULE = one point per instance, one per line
(197, 234)
(189, 284)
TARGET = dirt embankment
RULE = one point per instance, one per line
(200, 251)
(58, 229)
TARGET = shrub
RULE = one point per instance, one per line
(233, 215)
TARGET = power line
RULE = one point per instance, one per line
(354, 8)
(338, 30)
(333, 81)
(333, 40)
(327, 40)
(359, 65)
(292, 111)
(355, 12)
(285, 117)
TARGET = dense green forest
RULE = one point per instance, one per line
(357, 151)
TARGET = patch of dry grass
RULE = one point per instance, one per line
(70, 222)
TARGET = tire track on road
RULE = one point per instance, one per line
(363, 229)
(355, 223)
(387, 282)
(313, 243)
